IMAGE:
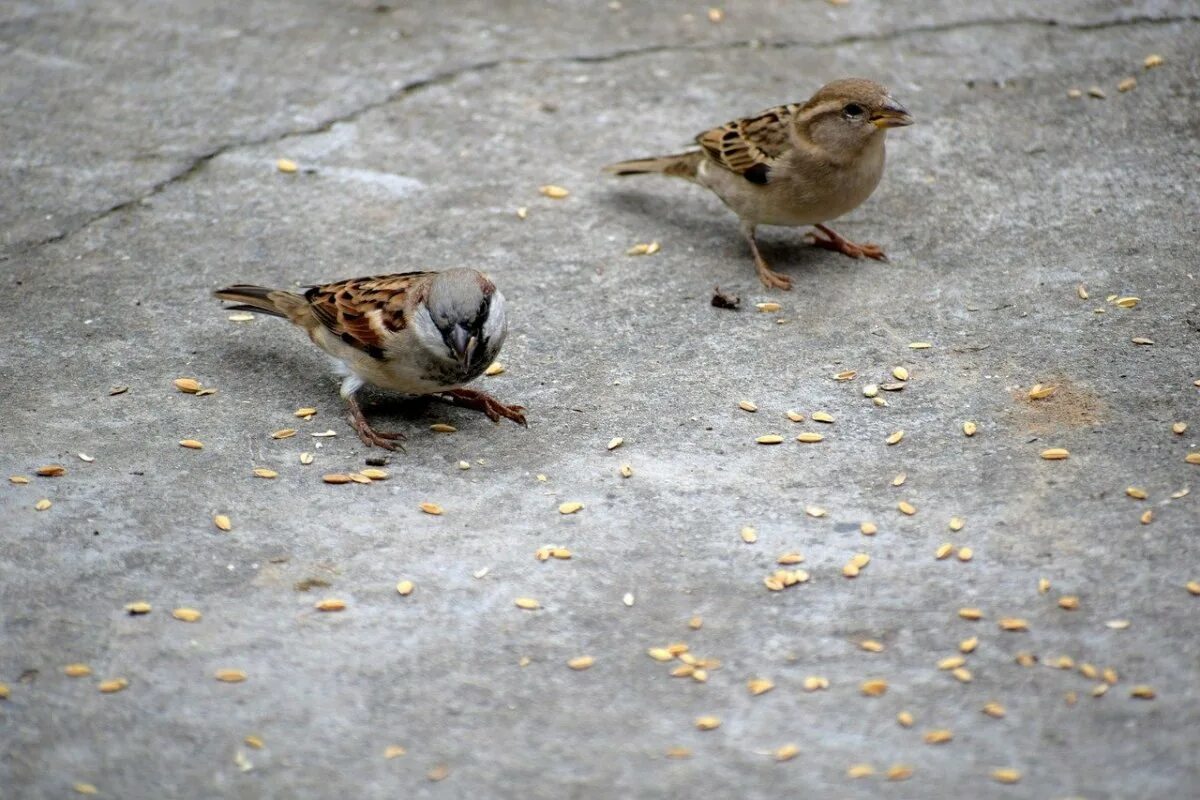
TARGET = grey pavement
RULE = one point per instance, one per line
(138, 150)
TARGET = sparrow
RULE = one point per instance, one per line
(798, 164)
(417, 333)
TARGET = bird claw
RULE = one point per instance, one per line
(490, 406)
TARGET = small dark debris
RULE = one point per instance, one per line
(310, 583)
(722, 300)
(379, 461)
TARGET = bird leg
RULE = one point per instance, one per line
(838, 244)
(370, 436)
(482, 401)
(769, 277)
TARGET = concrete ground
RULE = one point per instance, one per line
(139, 144)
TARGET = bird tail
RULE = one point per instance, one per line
(262, 300)
(680, 165)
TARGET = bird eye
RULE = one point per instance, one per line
(852, 110)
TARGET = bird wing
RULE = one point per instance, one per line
(752, 145)
(367, 312)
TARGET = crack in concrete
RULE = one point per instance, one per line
(448, 76)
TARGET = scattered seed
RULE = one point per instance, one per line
(330, 604)
(646, 249)
(768, 308)
(1013, 624)
(859, 771)
(52, 471)
(660, 654)
(263, 472)
(42, 505)
(84, 788)
(1143, 692)
(809, 437)
(442, 427)
(432, 508)
(1121, 624)
(899, 772)
(937, 736)
(1179, 427)
(868, 529)
(846, 375)
(962, 675)
(815, 511)
(284, 433)
(187, 385)
(1109, 675)
(1026, 659)
(900, 374)
(374, 474)
(1005, 775)
(19, 480)
(749, 535)
(306, 458)
(782, 579)
(1192, 458)
(871, 646)
(906, 508)
(191, 444)
(707, 723)
(230, 675)
(1181, 493)
(891, 387)
(405, 588)
(627, 599)
(393, 751)
(770, 438)
(971, 614)
(1127, 302)
(223, 523)
(905, 719)
(759, 686)
(1142, 340)
(815, 683)
(1127, 84)
(822, 416)
(899, 479)
(113, 685)
(994, 709)
(554, 192)
(1152, 61)
(678, 752)
(951, 662)
(968, 645)
(439, 773)
(77, 670)
(895, 438)
(1055, 454)
(874, 687)
(1147, 517)
(1040, 392)
(1069, 602)
(581, 662)
(870, 390)
(943, 551)
(787, 559)
(1100, 689)
(965, 554)
(850, 571)
(527, 603)
(795, 416)
(336, 477)
(1097, 92)
(186, 614)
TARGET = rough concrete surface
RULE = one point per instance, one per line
(138, 145)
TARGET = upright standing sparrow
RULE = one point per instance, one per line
(418, 333)
(800, 164)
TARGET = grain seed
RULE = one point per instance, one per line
(1109, 675)
(822, 416)
(495, 368)
(965, 554)
(815, 683)
(905, 719)
(943, 551)
(374, 473)
(1121, 624)
(870, 390)
(660, 654)
(746, 405)
(695, 623)
(1147, 517)
(626, 471)
(749, 535)
(1013, 624)
(1152, 61)
(627, 599)
(795, 416)
(336, 477)
(1127, 302)
(432, 508)
(263, 472)
(1097, 92)
(951, 662)
(113, 685)
(77, 670)
(187, 385)
(900, 374)
(787, 559)
(1192, 458)
(875, 687)
(961, 674)
(770, 438)
(1043, 585)
(1040, 392)
(19, 480)
(330, 604)
(405, 588)
(906, 508)
(957, 523)
(191, 444)
(442, 427)
(1055, 454)
(84, 788)
(855, 771)
(971, 614)
(1179, 428)
(1142, 340)
(553, 192)
(815, 511)
(707, 723)
(186, 614)
(1068, 602)
(393, 751)
(969, 428)
(1143, 692)
(899, 772)
(758, 686)
(937, 736)
(42, 505)
(994, 710)
(284, 433)
(439, 773)
(678, 752)
(581, 662)
(306, 458)
(52, 471)
(223, 523)
(768, 308)
(1100, 689)
(230, 675)
(527, 603)
(786, 752)
(1006, 775)
(1181, 493)
(968, 645)
(1026, 659)
(868, 529)
(899, 479)
(809, 437)
(846, 375)
(871, 646)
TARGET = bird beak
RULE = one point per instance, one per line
(464, 344)
(891, 115)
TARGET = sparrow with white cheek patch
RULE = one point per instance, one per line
(417, 333)
(800, 164)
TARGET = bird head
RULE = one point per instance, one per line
(467, 312)
(847, 114)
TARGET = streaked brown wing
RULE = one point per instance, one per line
(366, 312)
(750, 146)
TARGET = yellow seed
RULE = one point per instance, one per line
(1181, 493)
(1040, 392)
(1097, 92)
(699, 675)
(759, 686)
(937, 736)
(962, 674)
(186, 614)
(581, 662)
(850, 571)
(223, 522)
(284, 433)
(874, 687)
(1055, 454)
(957, 523)
(815, 511)
(626, 471)
(1141, 340)
(230, 675)
(441, 427)
(860, 560)
(1119, 624)
(138, 607)
(1026, 659)
(1127, 302)
(678, 752)
(683, 671)
(707, 723)
(770, 438)
(554, 192)
(786, 752)
(191, 444)
(695, 623)
(822, 416)
(994, 709)
(1043, 585)
(809, 437)
(900, 374)
(1192, 458)
(868, 529)
(749, 535)
(871, 646)
(899, 772)
(42, 505)
(768, 308)
(527, 603)
(905, 719)
(286, 165)
(1069, 602)
(432, 508)
(1100, 689)
(970, 613)
(1109, 675)
(788, 559)
(1081, 291)
(1136, 493)
(374, 473)
(1006, 775)
(405, 588)
(1179, 427)
(1127, 84)
(84, 788)
(815, 683)
(969, 428)
(254, 741)
(965, 554)
(860, 771)
(1147, 517)
(1193, 587)
(906, 507)
(871, 390)
(660, 654)
(895, 438)
(1013, 624)
(336, 477)
(187, 385)
(306, 458)
(951, 662)
(1089, 671)
(899, 479)
(19, 480)
(330, 604)
(304, 413)
(52, 471)
(919, 345)
(969, 645)
(495, 368)
(77, 670)
(746, 405)
(795, 416)
(113, 685)
(1152, 61)
(263, 472)
(1143, 692)
(438, 773)
(943, 551)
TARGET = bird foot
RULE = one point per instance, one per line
(482, 401)
(370, 436)
(770, 278)
(838, 244)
